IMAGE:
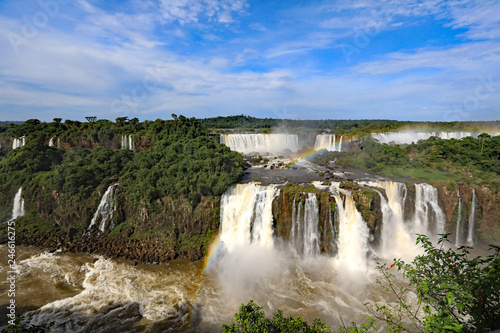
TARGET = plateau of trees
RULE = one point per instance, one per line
(475, 160)
(173, 158)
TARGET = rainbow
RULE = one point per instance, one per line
(210, 257)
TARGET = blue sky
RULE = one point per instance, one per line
(351, 59)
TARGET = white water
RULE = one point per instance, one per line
(353, 235)
(104, 213)
(429, 218)
(18, 208)
(178, 296)
(127, 142)
(409, 137)
(305, 235)
(112, 296)
(51, 142)
(328, 142)
(261, 143)
(18, 143)
(459, 231)
(396, 238)
(472, 215)
(246, 216)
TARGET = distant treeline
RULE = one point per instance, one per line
(353, 127)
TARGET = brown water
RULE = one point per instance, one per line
(80, 292)
(85, 293)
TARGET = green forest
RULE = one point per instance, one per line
(174, 167)
(467, 161)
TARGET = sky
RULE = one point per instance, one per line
(425, 60)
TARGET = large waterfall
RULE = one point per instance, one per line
(104, 213)
(353, 234)
(305, 235)
(472, 215)
(429, 218)
(458, 230)
(127, 142)
(18, 143)
(18, 208)
(261, 143)
(409, 137)
(396, 238)
(328, 142)
(246, 216)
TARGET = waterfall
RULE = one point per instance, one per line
(305, 236)
(261, 143)
(246, 216)
(429, 218)
(409, 137)
(18, 208)
(18, 143)
(328, 142)
(470, 234)
(104, 213)
(353, 235)
(396, 239)
(51, 142)
(127, 142)
(131, 143)
(458, 231)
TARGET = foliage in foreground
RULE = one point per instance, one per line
(252, 318)
(455, 294)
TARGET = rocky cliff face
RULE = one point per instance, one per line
(164, 230)
(168, 228)
(487, 211)
(291, 201)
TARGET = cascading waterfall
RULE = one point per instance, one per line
(18, 143)
(18, 208)
(305, 235)
(127, 142)
(409, 137)
(396, 239)
(328, 142)
(459, 231)
(353, 234)
(51, 142)
(261, 143)
(429, 218)
(246, 216)
(470, 233)
(104, 213)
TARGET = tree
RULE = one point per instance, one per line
(483, 136)
(252, 319)
(456, 294)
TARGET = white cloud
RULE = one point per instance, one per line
(192, 11)
(471, 57)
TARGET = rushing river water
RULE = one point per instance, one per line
(83, 293)
(88, 293)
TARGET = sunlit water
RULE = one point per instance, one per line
(80, 292)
